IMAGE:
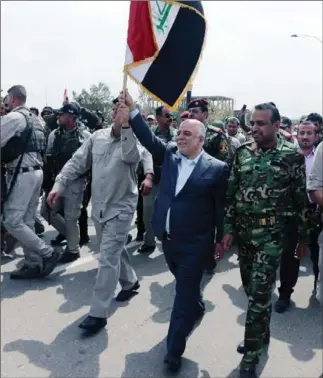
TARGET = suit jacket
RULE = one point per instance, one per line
(199, 207)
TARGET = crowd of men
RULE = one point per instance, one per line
(255, 182)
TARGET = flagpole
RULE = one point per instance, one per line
(125, 78)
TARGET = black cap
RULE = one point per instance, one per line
(69, 109)
(47, 109)
(200, 102)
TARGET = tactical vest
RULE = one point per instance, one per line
(64, 146)
(17, 144)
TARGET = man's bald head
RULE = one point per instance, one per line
(190, 137)
(195, 124)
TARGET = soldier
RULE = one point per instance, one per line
(216, 145)
(62, 143)
(50, 119)
(267, 188)
(112, 154)
(232, 126)
(22, 147)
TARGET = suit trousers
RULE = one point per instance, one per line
(114, 262)
(20, 213)
(187, 266)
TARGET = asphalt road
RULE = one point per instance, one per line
(40, 337)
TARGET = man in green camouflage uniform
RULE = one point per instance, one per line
(215, 144)
(267, 187)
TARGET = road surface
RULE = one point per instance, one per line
(40, 337)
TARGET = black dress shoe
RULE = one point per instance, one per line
(242, 350)
(282, 305)
(92, 324)
(124, 295)
(50, 262)
(58, 240)
(84, 240)
(248, 373)
(68, 257)
(146, 248)
(26, 273)
(139, 237)
(173, 363)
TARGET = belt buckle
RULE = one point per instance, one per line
(262, 222)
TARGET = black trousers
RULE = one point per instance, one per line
(289, 265)
(83, 219)
(140, 209)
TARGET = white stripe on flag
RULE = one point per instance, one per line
(129, 56)
(163, 18)
(140, 71)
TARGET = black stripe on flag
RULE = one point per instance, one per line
(171, 70)
(193, 4)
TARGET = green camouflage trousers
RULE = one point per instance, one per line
(259, 258)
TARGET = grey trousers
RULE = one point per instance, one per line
(114, 263)
(19, 215)
(67, 225)
(148, 204)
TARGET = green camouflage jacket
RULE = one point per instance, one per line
(216, 143)
(267, 184)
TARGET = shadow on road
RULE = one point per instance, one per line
(68, 355)
(150, 364)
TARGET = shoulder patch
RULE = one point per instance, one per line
(214, 128)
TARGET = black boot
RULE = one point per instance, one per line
(26, 273)
(58, 240)
(242, 350)
(282, 305)
(92, 324)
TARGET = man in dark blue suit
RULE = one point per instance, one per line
(188, 208)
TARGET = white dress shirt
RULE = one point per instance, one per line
(185, 169)
(308, 165)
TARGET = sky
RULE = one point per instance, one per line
(48, 46)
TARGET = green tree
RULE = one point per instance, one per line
(97, 98)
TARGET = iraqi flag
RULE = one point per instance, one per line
(164, 45)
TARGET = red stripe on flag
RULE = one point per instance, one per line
(140, 33)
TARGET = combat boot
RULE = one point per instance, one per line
(242, 350)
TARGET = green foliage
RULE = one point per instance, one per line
(218, 114)
(97, 98)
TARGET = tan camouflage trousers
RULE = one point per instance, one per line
(259, 260)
